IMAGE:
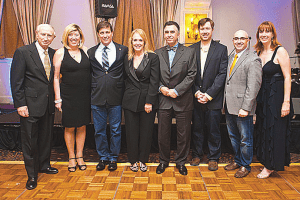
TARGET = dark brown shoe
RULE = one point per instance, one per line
(232, 166)
(195, 161)
(213, 165)
(242, 172)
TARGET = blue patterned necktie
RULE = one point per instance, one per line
(105, 62)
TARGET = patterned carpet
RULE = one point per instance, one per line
(90, 155)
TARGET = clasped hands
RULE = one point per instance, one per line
(201, 97)
(168, 92)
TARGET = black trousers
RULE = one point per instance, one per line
(183, 124)
(139, 131)
(36, 137)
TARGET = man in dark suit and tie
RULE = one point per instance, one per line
(208, 91)
(244, 77)
(178, 70)
(33, 94)
(106, 96)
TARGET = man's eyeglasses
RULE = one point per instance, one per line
(239, 38)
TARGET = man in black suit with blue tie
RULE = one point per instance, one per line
(33, 94)
(106, 96)
(208, 90)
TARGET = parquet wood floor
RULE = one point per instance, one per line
(200, 183)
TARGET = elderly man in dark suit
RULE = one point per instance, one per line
(208, 91)
(244, 77)
(33, 95)
(178, 70)
(106, 96)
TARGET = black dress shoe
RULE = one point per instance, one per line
(31, 183)
(49, 170)
(182, 169)
(112, 165)
(161, 168)
(101, 165)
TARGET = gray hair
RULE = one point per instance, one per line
(44, 25)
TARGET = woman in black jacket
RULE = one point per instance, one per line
(140, 99)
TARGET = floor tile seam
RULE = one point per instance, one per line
(119, 182)
(288, 183)
(26, 189)
(204, 181)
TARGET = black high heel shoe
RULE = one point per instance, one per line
(72, 169)
(81, 167)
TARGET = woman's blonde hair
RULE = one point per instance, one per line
(67, 31)
(130, 46)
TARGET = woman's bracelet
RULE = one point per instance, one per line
(58, 101)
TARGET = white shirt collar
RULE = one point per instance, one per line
(39, 48)
(110, 46)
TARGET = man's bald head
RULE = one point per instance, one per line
(240, 40)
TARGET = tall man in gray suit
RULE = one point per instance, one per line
(178, 70)
(31, 80)
(244, 76)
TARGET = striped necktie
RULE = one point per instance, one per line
(233, 63)
(105, 62)
(47, 65)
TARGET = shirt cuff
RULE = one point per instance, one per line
(176, 92)
(196, 93)
(160, 88)
(209, 97)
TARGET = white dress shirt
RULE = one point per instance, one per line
(111, 53)
(41, 52)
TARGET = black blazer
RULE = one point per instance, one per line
(214, 74)
(29, 83)
(107, 86)
(181, 78)
(141, 86)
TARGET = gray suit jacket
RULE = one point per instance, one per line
(181, 78)
(243, 84)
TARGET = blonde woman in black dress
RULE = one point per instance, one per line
(274, 108)
(72, 95)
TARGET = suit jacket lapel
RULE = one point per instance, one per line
(210, 54)
(51, 54)
(131, 69)
(144, 63)
(93, 58)
(36, 58)
(165, 55)
(178, 54)
(239, 62)
(118, 55)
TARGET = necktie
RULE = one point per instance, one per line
(233, 63)
(105, 62)
(47, 65)
(171, 48)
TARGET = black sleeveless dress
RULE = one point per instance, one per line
(273, 131)
(75, 89)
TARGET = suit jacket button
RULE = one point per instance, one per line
(106, 72)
